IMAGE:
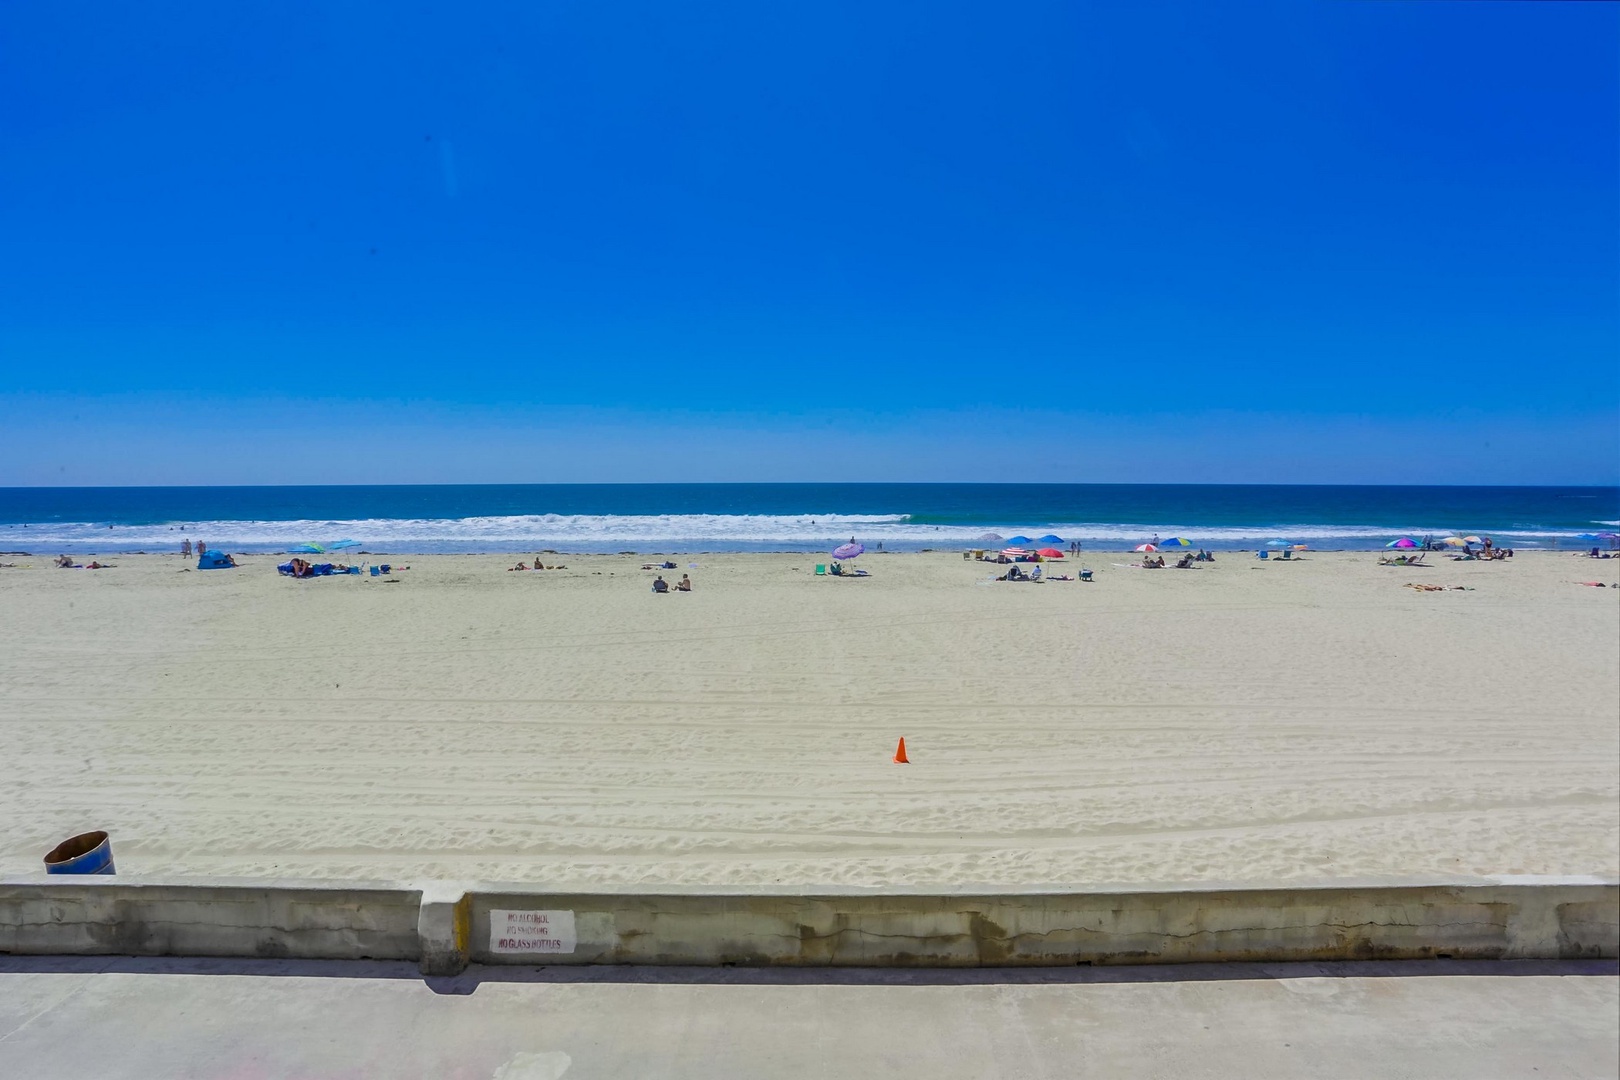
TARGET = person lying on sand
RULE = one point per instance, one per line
(519, 566)
(684, 585)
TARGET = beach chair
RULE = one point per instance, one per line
(1085, 575)
(821, 569)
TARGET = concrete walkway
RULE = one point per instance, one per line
(113, 1017)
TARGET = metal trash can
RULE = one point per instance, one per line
(87, 853)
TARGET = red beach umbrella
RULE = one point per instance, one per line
(1050, 553)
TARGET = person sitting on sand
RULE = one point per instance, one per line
(660, 585)
(65, 562)
(519, 566)
(300, 568)
(684, 585)
(1184, 562)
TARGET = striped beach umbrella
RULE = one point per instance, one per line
(1175, 541)
(1145, 547)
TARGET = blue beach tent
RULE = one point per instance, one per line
(214, 560)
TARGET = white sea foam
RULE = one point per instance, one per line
(677, 532)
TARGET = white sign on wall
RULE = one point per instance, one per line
(520, 932)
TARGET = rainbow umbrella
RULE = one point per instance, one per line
(1175, 541)
(1403, 542)
(307, 549)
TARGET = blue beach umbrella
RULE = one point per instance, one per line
(1175, 541)
(1049, 538)
(339, 545)
(1277, 543)
(307, 549)
(1016, 540)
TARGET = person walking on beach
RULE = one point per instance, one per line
(202, 549)
(185, 548)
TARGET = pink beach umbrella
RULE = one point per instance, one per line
(1145, 547)
(1405, 542)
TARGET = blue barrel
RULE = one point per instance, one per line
(87, 853)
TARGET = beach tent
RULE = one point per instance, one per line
(214, 560)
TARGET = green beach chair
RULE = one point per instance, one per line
(821, 569)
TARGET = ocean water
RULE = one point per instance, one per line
(786, 517)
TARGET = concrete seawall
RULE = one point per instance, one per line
(444, 925)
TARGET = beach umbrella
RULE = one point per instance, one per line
(1015, 552)
(1452, 541)
(1472, 540)
(1144, 547)
(1175, 541)
(1403, 542)
(307, 549)
(1050, 553)
(1049, 538)
(988, 538)
(1018, 540)
(1277, 543)
(847, 551)
(339, 545)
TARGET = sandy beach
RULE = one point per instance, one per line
(1247, 721)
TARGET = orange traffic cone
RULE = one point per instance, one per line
(900, 754)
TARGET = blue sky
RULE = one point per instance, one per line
(1289, 242)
